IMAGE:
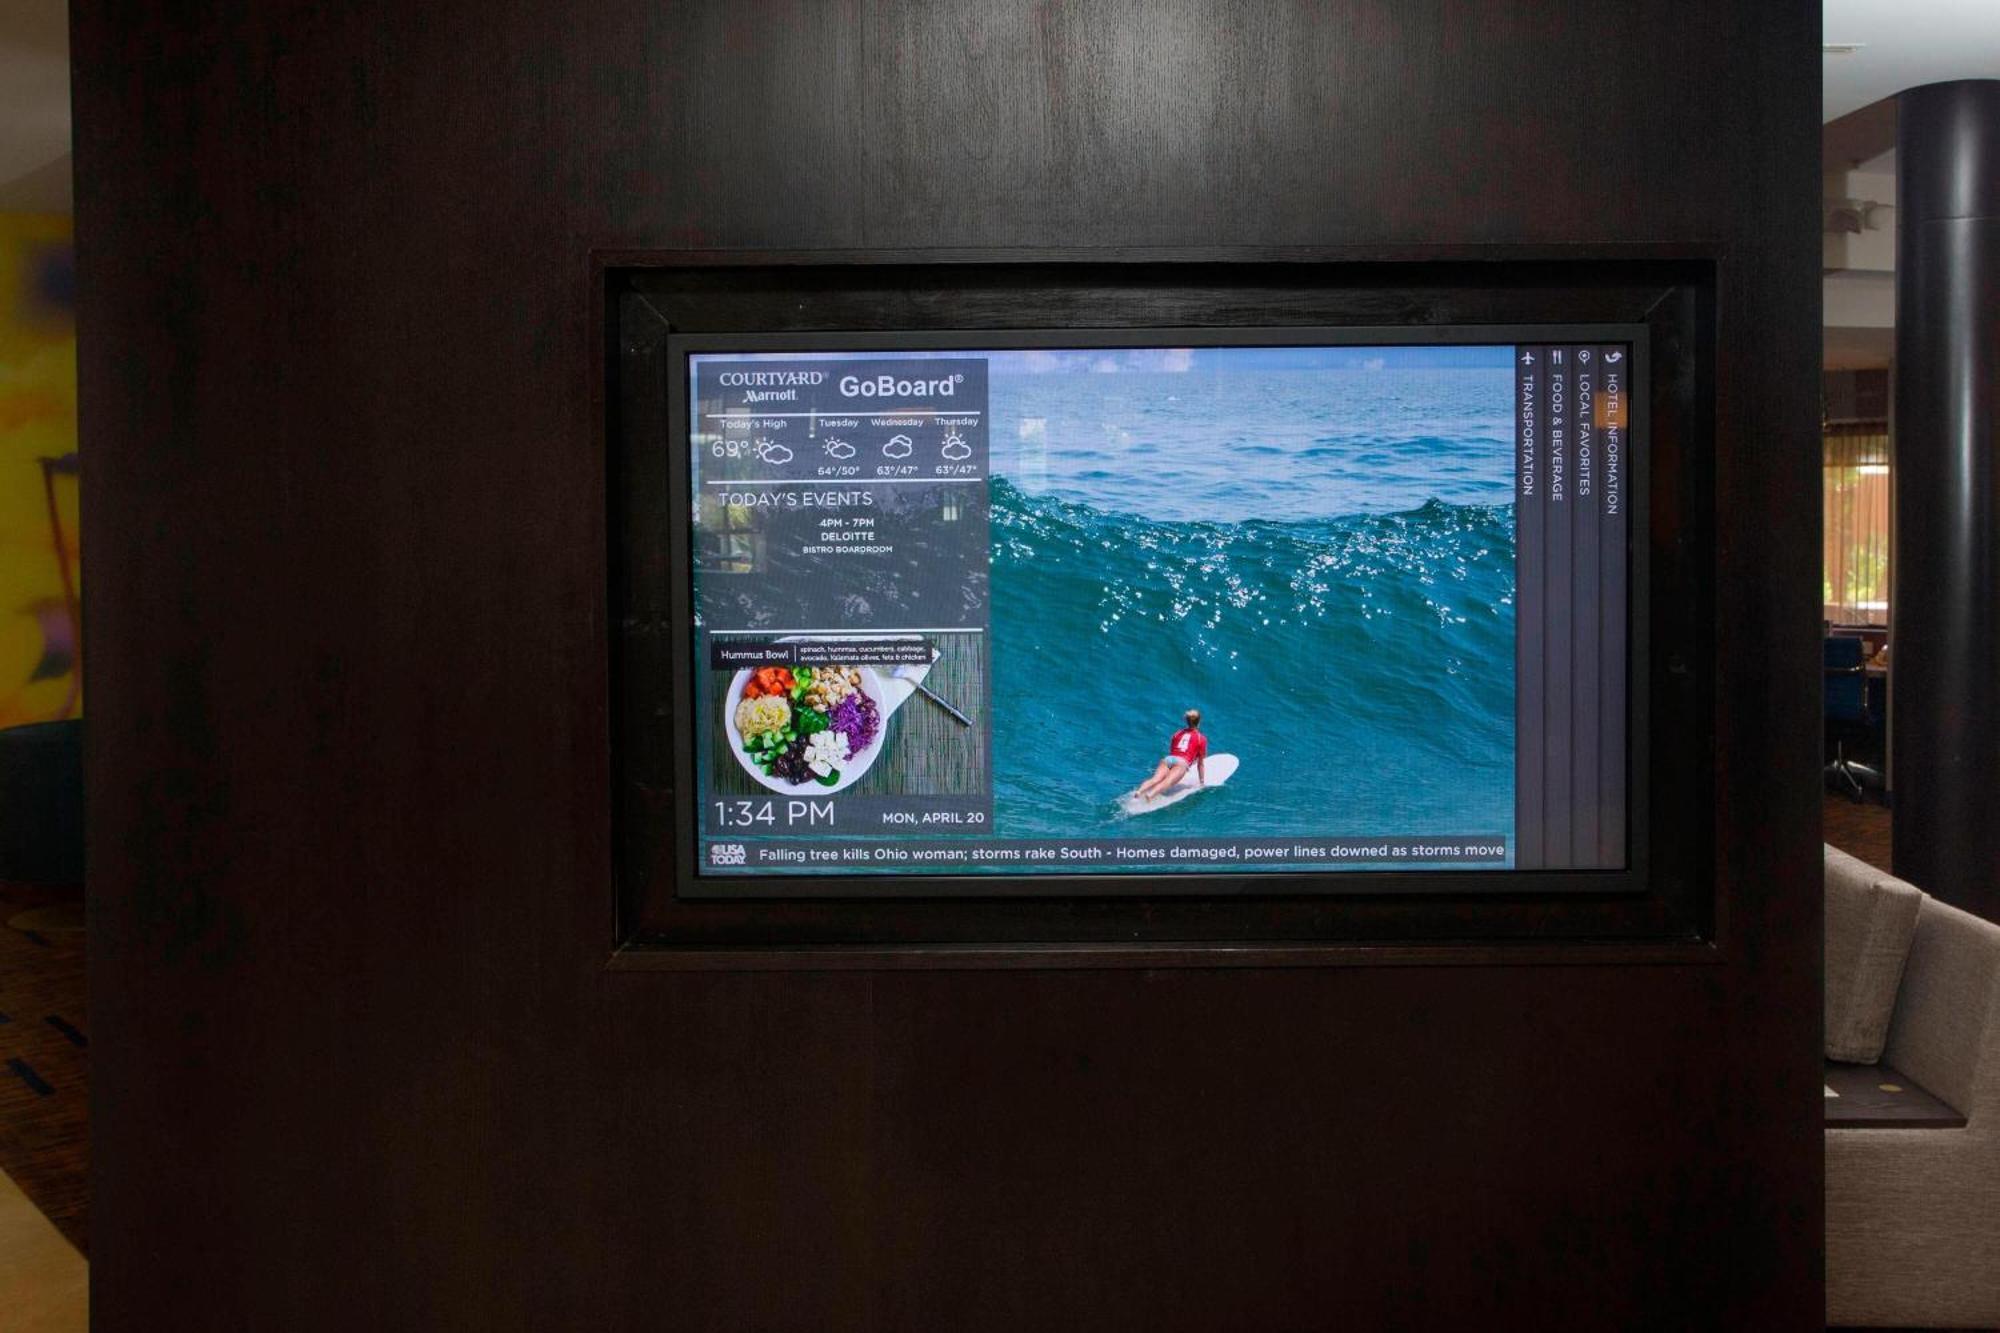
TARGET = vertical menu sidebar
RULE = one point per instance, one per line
(1570, 604)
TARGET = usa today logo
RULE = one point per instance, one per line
(888, 386)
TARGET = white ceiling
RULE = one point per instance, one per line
(34, 106)
(1905, 43)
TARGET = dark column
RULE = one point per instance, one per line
(1947, 610)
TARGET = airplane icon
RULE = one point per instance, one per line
(1527, 358)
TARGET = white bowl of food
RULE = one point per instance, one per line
(795, 729)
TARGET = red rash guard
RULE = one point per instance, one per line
(1189, 745)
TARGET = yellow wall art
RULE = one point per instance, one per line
(41, 646)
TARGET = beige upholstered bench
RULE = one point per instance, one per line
(1913, 1215)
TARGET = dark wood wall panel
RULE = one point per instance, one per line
(358, 1059)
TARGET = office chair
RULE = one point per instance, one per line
(1845, 707)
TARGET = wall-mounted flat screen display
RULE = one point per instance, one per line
(1283, 604)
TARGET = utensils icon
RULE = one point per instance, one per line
(913, 677)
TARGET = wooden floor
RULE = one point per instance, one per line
(45, 1054)
(1859, 829)
(44, 1282)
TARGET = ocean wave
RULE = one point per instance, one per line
(1371, 652)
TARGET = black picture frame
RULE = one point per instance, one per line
(833, 883)
(659, 307)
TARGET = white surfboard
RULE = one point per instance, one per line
(1221, 767)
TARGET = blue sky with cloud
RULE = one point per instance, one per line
(1196, 359)
(1112, 360)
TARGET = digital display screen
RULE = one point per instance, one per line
(1224, 609)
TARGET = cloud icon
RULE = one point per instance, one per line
(839, 449)
(955, 448)
(899, 446)
(774, 453)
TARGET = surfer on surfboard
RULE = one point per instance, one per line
(1187, 747)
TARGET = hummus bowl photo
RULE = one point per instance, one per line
(805, 731)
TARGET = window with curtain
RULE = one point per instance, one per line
(1856, 510)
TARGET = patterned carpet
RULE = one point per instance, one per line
(45, 1053)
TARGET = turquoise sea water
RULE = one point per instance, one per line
(1322, 561)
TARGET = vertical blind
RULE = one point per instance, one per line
(1855, 497)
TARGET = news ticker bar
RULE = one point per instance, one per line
(726, 855)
